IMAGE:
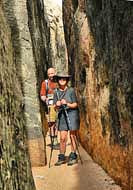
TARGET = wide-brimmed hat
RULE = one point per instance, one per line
(62, 75)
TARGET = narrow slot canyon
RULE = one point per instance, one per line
(92, 41)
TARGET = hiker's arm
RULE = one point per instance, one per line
(58, 104)
(74, 101)
(72, 105)
(43, 92)
(43, 98)
(69, 105)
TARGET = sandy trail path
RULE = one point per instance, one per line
(88, 176)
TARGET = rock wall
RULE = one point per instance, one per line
(48, 44)
(15, 170)
(57, 45)
(99, 40)
(29, 59)
(38, 43)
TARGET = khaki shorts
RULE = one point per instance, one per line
(52, 115)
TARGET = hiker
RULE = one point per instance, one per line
(47, 91)
(65, 102)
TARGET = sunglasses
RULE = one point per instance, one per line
(62, 78)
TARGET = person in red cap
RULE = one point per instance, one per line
(46, 93)
(65, 102)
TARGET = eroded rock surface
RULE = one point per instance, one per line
(99, 40)
(57, 46)
(14, 159)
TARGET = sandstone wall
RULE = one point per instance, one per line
(99, 40)
(57, 46)
(49, 49)
(29, 59)
(15, 170)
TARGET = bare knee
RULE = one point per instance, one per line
(63, 137)
(72, 134)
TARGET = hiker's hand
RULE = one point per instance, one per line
(43, 98)
(58, 103)
(63, 101)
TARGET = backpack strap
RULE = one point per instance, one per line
(47, 88)
(56, 90)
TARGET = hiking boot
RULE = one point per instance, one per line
(72, 159)
(61, 160)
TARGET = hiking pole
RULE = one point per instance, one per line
(50, 138)
(52, 142)
(75, 137)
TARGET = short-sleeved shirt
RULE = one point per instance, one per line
(51, 87)
(72, 122)
(48, 105)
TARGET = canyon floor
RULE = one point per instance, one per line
(86, 176)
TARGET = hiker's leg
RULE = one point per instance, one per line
(61, 156)
(50, 132)
(51, 128)
(63, 140)
(55, 130)
(72, 159)
(73, 141)
(53, 136)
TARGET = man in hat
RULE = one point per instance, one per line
(47, 90)
(65, 102)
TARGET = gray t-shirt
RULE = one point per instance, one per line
(69, 95)
(73, 114)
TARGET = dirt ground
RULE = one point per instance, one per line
(86, 176)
